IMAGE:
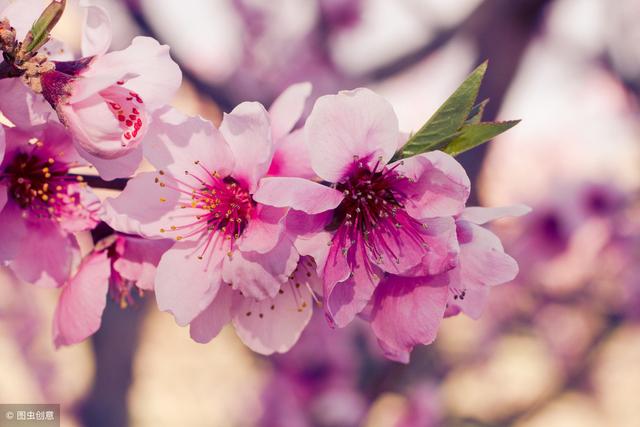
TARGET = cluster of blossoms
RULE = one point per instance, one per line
(250, 223)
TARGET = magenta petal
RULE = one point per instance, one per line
(437, 185)
(273, 324)
(345, 299)
(46, 255)
(139, 260)
(479, 215)
(297, 193)
(208, 324)
(408, 312)
(260, 275)
(82, 301)
(185, 284)
(355, 123)
(287, 109)
(248, 132)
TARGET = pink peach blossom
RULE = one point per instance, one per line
(202, 196)
(107, 99)
(41, 205)
(386, 217)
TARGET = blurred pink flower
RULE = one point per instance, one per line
(117, 265)
(106, 99)
(395, 218)
(41, 205)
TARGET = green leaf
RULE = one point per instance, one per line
(448, 119)
(472, 135)
(41, 29)
(475, 115)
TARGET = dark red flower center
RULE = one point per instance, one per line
(39, 183)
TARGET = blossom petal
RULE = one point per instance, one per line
(346, 298)
(264, 230)
(292, 157)
(176, 141)
(208, 324)
(260, 275)
(96, 31)
(407, 312)
(274, 324)
(82, 301)
(437, 185)
(3, 197)
(185, 284)
(45, 256)
(297, 193)
(351, 124)
(110, 169)
(21, 105)
(248, 132)
(12, 231)
(139, 260)
(287, 109)
(147, 66)
(145, 208)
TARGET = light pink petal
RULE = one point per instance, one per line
(297, 193)
(260, 275)
(479, 215)
(292, 157)
(12, 231)
(408, 312)
(274, 324)
(45, 256)
(437, 185)
(109, 169)
(82, 301)
(482, 258)
(264, 230)
(248, 132)
(185, 284)
(287, 109)
(96, 31)
(140, 259)
(145, 208)
(473, 304)
(176, 141)
(208, 324)
(21, 105)
(355, 123)
(146, 66)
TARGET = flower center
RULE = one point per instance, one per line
(371, 217)
(39, 184)
(225, 206)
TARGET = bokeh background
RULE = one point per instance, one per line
(560, 346)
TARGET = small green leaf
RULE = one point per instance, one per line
(476, 134)
(475, 115)
(41, 29)
(448, 119)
